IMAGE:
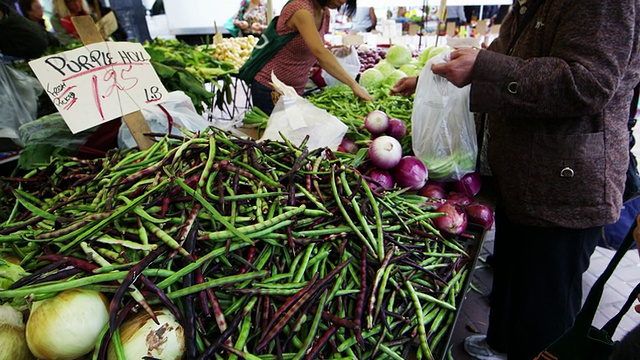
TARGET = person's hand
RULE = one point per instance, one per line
(637, 307)
(243, 25)
(459, 68)
(257, 27)
(361, 93)
(405, 86)
(340, 50)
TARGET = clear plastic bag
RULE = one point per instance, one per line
(182, 112)
(295, 118)
(443, 129)
(348, 58)
(19, 94)
(53, 130)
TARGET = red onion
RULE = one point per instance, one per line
(376, 122)
(410, 172)
(348, 145)
(468, 184)
(454, 222)
(385, 152)
(397, 128)
(432, 192)
(459, 198)
(381, 179)
(440, 183)
(480, 214)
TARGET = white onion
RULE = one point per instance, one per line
(385, 152)
(13, 345)
(141, 336)
(376, 122)
(66, 326)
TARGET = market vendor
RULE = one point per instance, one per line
(291, 64)
(20, 37)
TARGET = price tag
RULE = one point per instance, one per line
(99, 82)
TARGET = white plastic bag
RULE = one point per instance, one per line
(182, 112)
(348, 58)
(443, 129)
(19, 94)
(295, 117)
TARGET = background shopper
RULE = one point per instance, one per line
(364, 19)
(20, 37)
(251, 18)
(292, 64)
(558, 102)
(64, 10)
(32, 10)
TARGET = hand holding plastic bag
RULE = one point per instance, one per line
(443, 128)
(348, 58)
(296, 118)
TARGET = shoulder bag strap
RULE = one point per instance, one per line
(585, 317)
(611, 325)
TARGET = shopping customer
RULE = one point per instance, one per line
(19, 37)
(251, 18)
(292, 63)
(64, 10)
(364, 19)
(33, 10)
(557, 98)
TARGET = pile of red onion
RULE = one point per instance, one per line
(388, 168)
(456, 199)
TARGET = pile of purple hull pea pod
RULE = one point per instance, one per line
(220, 247)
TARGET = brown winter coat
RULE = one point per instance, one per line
(558, 110)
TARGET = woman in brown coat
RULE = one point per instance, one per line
(557, 98)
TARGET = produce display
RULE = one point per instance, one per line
(220, 247)
(181, 66)
(235, 50)
(370, 56)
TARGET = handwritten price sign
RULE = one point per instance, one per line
(99, 82)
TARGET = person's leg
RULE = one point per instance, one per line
(544, 287)
(261, 97)
(500, 298)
